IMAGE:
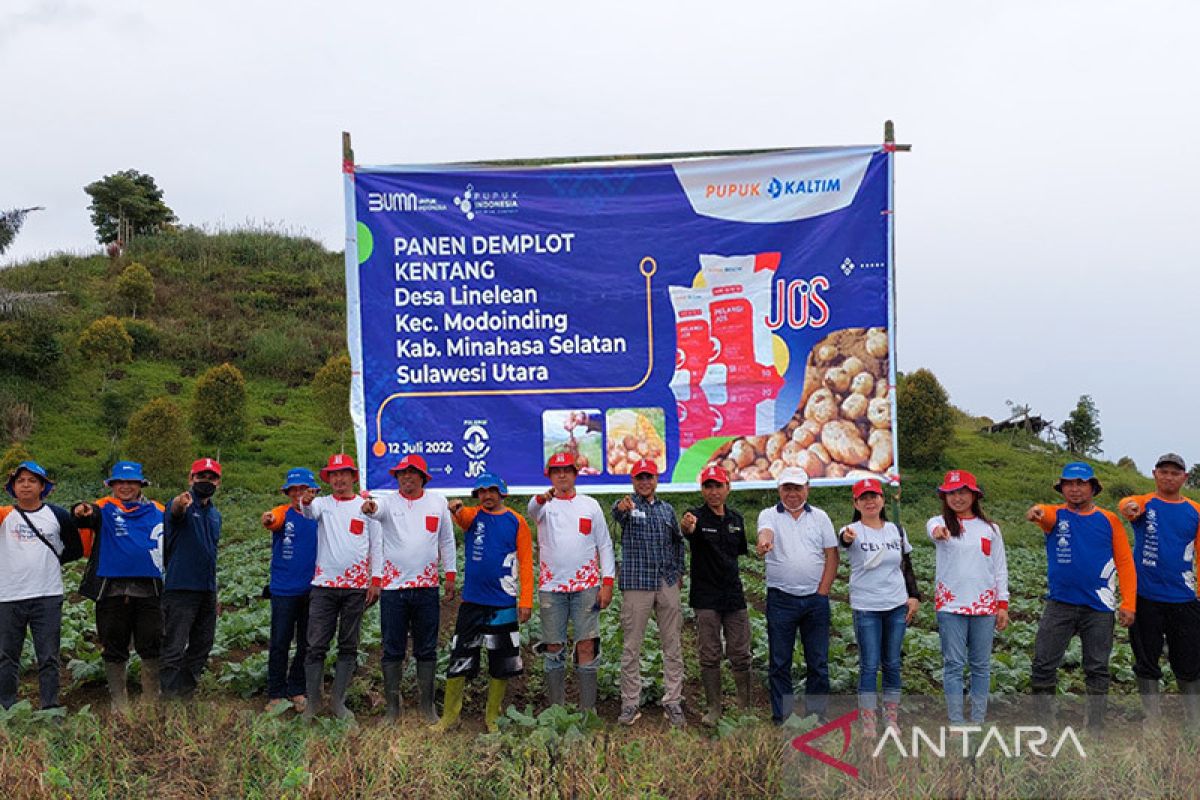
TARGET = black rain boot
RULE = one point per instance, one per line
(426, 681)
(343, 672)
(314, 678)
(392, 671)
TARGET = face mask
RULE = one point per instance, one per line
(204, 489)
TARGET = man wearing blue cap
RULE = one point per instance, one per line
(1088, 559)
(124, 577)
(36, 539)
(293, 561)
(499, 569)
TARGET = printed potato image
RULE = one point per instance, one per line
(842, 426)
(634, 434)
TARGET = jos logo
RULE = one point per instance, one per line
(475, 447)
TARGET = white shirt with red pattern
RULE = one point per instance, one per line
(575, 549)
(415, 533)
(972, 570)
(349, 544)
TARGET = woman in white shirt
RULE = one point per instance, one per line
(971, 599)
(884, 598)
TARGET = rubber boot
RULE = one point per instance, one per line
(495, 700)
(1045, 707)
(343, 672)
(115, 675)
(866, 717)
(1097, 705)
(710, 679)
(556, 686)
(426, 678)
(151, 690)
(314, 678)
(1151, 703)
(587, 689)
(1190, 694)
(744, 681)
(392, 670)
(891, 715)
(451, 705)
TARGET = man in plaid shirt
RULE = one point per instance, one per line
(650, 576)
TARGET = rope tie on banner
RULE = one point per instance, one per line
(647, 267)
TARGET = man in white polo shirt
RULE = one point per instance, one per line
(801, 553)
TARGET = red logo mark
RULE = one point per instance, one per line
(843, 722)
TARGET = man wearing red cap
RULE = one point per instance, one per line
(348, 578)
(651, 575)
(577, 569)
(191, 530)
(417, 532)
(717, 534)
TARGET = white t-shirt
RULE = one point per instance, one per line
(972, 570)
(349, 551)
(574, 547)
(27, 567)
(797, 557)
(415, 533)
(876, 580)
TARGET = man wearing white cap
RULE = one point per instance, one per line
(800, 548)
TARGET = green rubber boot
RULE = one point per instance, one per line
(495, 700)
(452, 705)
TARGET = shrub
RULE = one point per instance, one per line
(30, 346)
(280, 353)
(106, 342)
(15, 454)
(117, 404)
(219, 406)
(926, 421)
(331, 391)
(135, 289)
(145, 334)
(158, 437)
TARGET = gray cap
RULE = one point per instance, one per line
(1171, 458)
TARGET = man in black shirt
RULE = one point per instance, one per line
(717, 534)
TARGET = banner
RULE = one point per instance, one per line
(725, 310)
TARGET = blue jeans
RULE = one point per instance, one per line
(966, 639)
(880, 636)
(289, 621)
(43, 617)
(402, 610)
(582, 609)
(787, 613)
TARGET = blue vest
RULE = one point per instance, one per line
(1164, 550)
(491, 559)
(1079, 560)
(190, 547)
(130, 541)
(293, 555)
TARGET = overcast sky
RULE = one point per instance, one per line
(1046, 216)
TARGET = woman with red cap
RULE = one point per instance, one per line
(971, 598)
(883, 597)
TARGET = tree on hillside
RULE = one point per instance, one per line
(1193, 478)
(331, 391)
(126, 204)
(219, 406)
(1127, 462)
(1082, 428)
(10, 224)
(135, 289)
(158, 438)
(926, 420)
(106, 342)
